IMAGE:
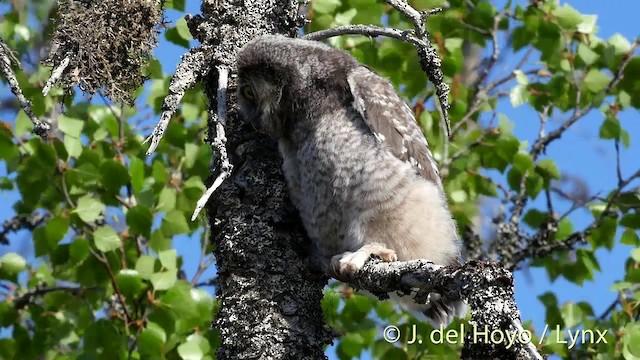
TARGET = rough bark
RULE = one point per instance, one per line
(270, 298)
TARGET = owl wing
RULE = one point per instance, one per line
(391, 121)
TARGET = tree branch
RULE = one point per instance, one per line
(20, 222)
(188, 72)
(486, 287)
(7, 58)
(220, 141)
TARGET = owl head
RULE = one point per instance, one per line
(282, 81)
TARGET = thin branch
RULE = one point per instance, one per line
(418, 18)
(465, 150)
(7, 58)
(114, 284)
(618, 167)
(542, 143)
(55, 75)
(540, 247)
(203, 264)
(609, 309)
(187, 74)
(21, 222)
(28, 298)
(496, 49)
(617, 77)
(220, 141)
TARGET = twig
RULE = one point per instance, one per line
(617, 77)
(40, 128)
(114, 284)
(20, 222)
(465, 150)
(203, 264)
(22, 301)
(618, 167)
(418, 18)
(55, 75)
(220, 141)
(496, 49)
(609, 309)
(187, 73)
(540, 145)
(540, 247)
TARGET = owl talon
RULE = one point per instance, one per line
(347, 264)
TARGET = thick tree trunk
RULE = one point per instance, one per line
(270, 298)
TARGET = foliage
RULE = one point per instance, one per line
(105, 281)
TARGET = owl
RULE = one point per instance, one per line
(357, 166)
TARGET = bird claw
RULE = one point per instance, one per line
(345, 265)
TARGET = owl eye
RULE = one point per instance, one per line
(247, 92)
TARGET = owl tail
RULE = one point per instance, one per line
(437, 311)
(440, 311)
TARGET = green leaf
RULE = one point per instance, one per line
(521, 78)
(145, 266)
(351, 345)
(22, 124)
(588, 24)
(168, 259)
(630, 237)
(395, 353)
(136, 172)
(620, 44)
(586, 54)
(12, 263)
(106, 239)
(89, 209)
(565, 228)
(73, 145)
(345, 17)
(79, 249)
(175, 4)
(139, 219)
(70, 126)
(518, 95)
(610, 128)
(631, 341)
(179, 34)
(547, 168)
(635, 254)
(567, 17)
(596, 81)
(190, 350)
(174, 223)
(129, 282)
(114, 175)
(163, 280)
(631, 221)
(522, 161)
(152, 339)
(167, 199)
(604, 235)
(325, 6)
(180, 301)
(190, 153)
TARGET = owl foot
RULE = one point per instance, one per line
(347, 264)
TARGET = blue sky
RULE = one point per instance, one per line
(580, 153)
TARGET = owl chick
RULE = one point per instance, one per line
(357, 165)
